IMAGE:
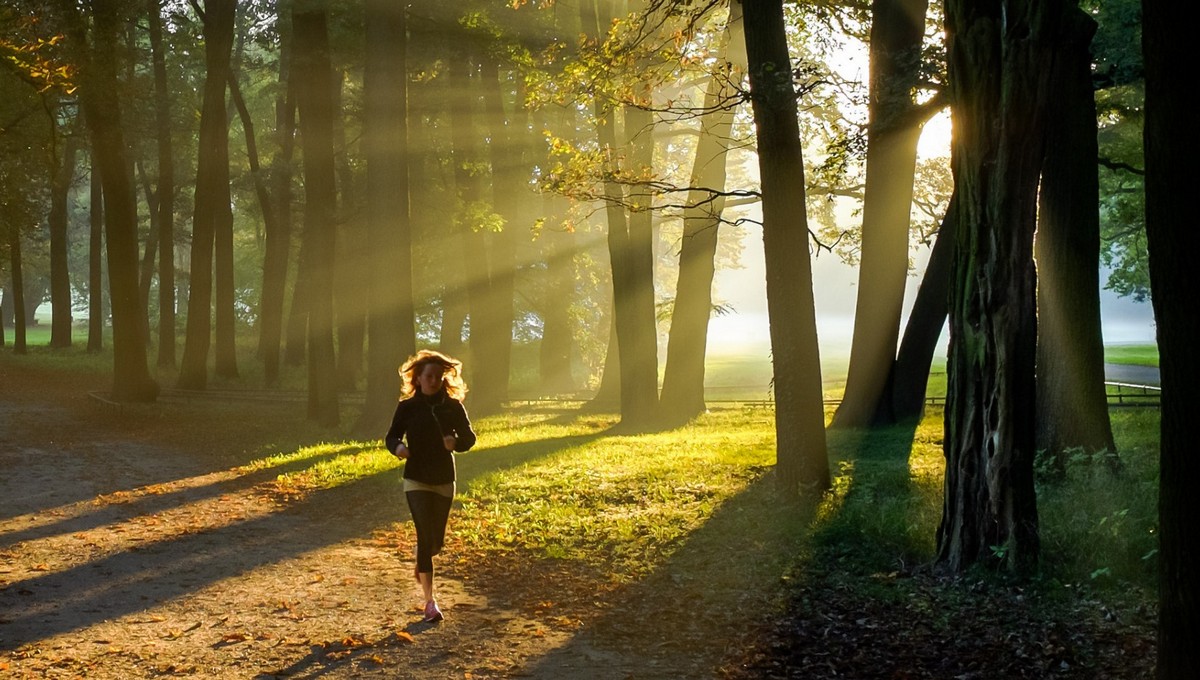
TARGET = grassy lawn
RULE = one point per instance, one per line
(1137, 355)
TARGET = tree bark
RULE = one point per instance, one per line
(17, 289)
(801, 457)
(60, 277)
(904, 398)
(391, 317)
(219, 28)
(1171, 149)
(509, 189)
(211, 211)
(1000, 53)
(314, 100)
(102, 111)
(1072, 405)
(350, 282)
(278, 231)
(166, 191)
(95, 341)
(687, 343)
(897, 30)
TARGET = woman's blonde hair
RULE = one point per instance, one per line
(452, 380)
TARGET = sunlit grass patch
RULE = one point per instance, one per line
(627, 501)
(323, 466)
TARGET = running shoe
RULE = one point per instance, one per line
(432, 613)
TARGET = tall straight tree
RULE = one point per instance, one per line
(278, 236)
(391, 318)
(314, 103)
(897, 29)
(510, 181)
(211, 210)
(999, 54)
(102, 111)
(630, 248)
(687, 344)
(1072, 404)
(95, 341)
(166, 189)
(17, 290)
(60, 279)
(224, 287)
(802, 460)
(1171, 149)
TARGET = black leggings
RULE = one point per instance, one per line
(429, 512)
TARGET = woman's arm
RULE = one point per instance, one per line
(462, 429)
(396, 432)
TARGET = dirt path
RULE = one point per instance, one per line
(137, 545)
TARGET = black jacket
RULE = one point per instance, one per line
(422, 421)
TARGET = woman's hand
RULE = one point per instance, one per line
(401, 452)
(449, 441)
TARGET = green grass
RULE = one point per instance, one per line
(558, 483)
(1137, 355)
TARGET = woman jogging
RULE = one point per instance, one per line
(430, 424)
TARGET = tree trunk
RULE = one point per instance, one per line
(278, 231)
(17, 289)
(509, 190)
(1072, 405)
(60, 276)
(687, 344)
(801, 457)
(314, 100)
(166, 191)
(99, 97)
(219, 28)
(212, 193)
(96, 262)
(146, 274)
(897, 30)
(1171, 149)
(904, 398)
(999, 56)
(391, 318)
(555, 349)
(350, 308)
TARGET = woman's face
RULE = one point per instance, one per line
(430, 378)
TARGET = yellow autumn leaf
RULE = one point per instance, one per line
(406, 636)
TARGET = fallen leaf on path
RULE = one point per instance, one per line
(406, 636)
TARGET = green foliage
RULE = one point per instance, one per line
(1101, 526)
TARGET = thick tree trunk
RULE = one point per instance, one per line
(391, 318)
(897, 30)
(166, 191)
(212, 194)
(278, 231)
(218, 28)
(999, 56)
(1072, 405)
(60, 277)
(314, 99)
(687, 344)
(96, 262)
(1171, 150)
(801, 457)
(102, 110)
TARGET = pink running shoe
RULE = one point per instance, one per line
(432, 613)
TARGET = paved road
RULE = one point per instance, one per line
(1134, 375)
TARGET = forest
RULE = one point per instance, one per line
(275, 203)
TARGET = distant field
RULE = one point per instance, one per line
(1137, 355)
